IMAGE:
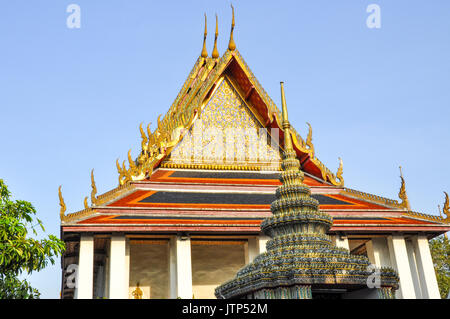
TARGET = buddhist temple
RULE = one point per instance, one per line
(223, 190)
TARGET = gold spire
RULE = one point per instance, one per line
(402, 193)
(94, 189)
(204, 51)
(61, 204)
(285, 122)
(231, 44)
(215, 53)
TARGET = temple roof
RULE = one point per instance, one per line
(198, 88)
(158, 183)
(235, 201)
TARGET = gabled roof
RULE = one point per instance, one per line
(199, 87)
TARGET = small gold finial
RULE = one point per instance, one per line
(215, 53)
(402, 193)
(204, 51)
(285, 122)
(231, 44)
(94, 189)
(86, 205)
(61, 204)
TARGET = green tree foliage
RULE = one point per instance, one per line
(18, 251)
(440, 252)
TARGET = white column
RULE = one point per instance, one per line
(413, 267)
(262, 241)
(341, 241)
(117, 267)
(180, 268)
(252, 249)
(427, 275)
(85, 272)
(127, 266)
(378, 252)
(399, 260)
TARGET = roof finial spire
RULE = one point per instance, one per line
(285, 121)
(204, 51)
(446, 208)
(94, 189)
(215, 53)
(61, 204)
(231, 44)
(402, 194)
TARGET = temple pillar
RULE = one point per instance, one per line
(427, 275)
(341, 241)
(413, 267)
(400, 262)
(180, 267)
(378, 252)
(252, 249)
(85, 273)
(118, 287)
(127, 266)
(262, 241)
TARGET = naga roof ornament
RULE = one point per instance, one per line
(62, 204)
(446, 208)
(402, 193)
(300, 256)
(94, 189)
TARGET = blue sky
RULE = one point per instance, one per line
(72, 99)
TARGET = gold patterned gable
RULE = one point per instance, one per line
(227, 133)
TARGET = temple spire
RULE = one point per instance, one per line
(204, 51)
(231, 44)
(215, 53)
(285, 122)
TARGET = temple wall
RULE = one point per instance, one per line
(149, 265)
(213, 264)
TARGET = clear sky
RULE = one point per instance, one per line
(72, 99)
